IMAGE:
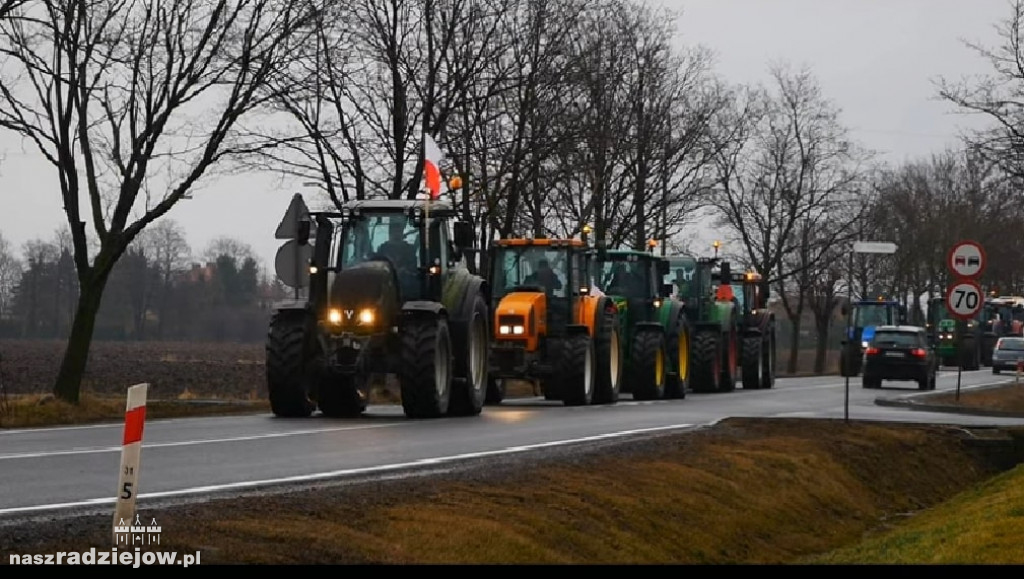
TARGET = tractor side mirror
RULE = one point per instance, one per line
(304, 230)
(602, 251)
(666, 290)
(663, 267)
(844, 310)
(464, 236)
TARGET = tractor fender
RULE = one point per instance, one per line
(422, 309)
(463, 305)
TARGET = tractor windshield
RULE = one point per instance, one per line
(874, 314)
(389, 235)
(530, 266)
(627, 278)
(681, 275)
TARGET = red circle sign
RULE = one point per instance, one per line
(966, 259)
(964, 299)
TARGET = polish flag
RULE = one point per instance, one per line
(432, 158)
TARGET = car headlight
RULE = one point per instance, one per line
(334, 316)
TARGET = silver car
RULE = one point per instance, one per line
(1007, 354)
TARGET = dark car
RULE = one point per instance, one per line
(1007, 353)
(900, 353)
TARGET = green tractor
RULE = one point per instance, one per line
(715, 318)
(655, 328)
(389, 293)
(758, 354)
(957, 342)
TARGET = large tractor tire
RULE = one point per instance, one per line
(647, 364)
(340, 398)
(290, 379)
(677, 379)
(469, 389)
(576, 370)
(969, 354)
(706, 371)
(608, 354)
(988, 345)
(768, 361)
(730, 361)
(753, 346)
(425, 375)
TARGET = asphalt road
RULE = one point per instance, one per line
(76, 468)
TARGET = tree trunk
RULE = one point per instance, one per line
(794, 344)
(76, 355)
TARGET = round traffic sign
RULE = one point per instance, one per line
(966, 259)
(964, 299)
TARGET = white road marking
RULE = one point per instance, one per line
(346, 472)
(102, 449)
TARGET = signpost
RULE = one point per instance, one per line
(882, 247)
(966, 261)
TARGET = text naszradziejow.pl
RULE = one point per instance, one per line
(114, 556)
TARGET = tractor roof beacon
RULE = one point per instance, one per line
(389, 293)
(656, 330)
(549, 328)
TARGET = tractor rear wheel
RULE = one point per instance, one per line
(425, 374)
(647, 362)
(608, 355)
(707, 361)
(289, 376)
(677, 380)
(470, 386)
(577, 371)
(751, 361)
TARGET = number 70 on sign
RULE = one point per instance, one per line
(964, 299)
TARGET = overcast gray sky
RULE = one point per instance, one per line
(876, 59)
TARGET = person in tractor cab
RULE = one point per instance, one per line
(403, 255)
(544, 276)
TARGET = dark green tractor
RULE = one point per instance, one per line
(656, 331)
(389, 293)
(957, 342)
(715, 317)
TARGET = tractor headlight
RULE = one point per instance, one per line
(518, 330)
(864, 344)
(334, 316)
(367, 316)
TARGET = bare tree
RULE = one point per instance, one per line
(997, 96)
(115, 93)
(8, 7)
(167, 247)
(10, 276)
(229, 247)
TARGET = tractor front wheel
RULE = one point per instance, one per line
(470, 388)
(751, 370)
(647, 365)
(730, 363)
(707, 362)
(577, 371)
(290, 378)
(425, 374)
(678, 378)
(608, 356)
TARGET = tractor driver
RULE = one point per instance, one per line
(403, 255)
(544, 276)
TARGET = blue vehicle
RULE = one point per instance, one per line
(866, 316)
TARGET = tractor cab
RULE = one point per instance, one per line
(635, 279)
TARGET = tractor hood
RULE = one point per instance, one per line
(371, 287)
(527, 309)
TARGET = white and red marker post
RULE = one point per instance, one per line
(131, 452)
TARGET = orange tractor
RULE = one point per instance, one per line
(550, 325)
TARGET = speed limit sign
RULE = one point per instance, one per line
(964, 299)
